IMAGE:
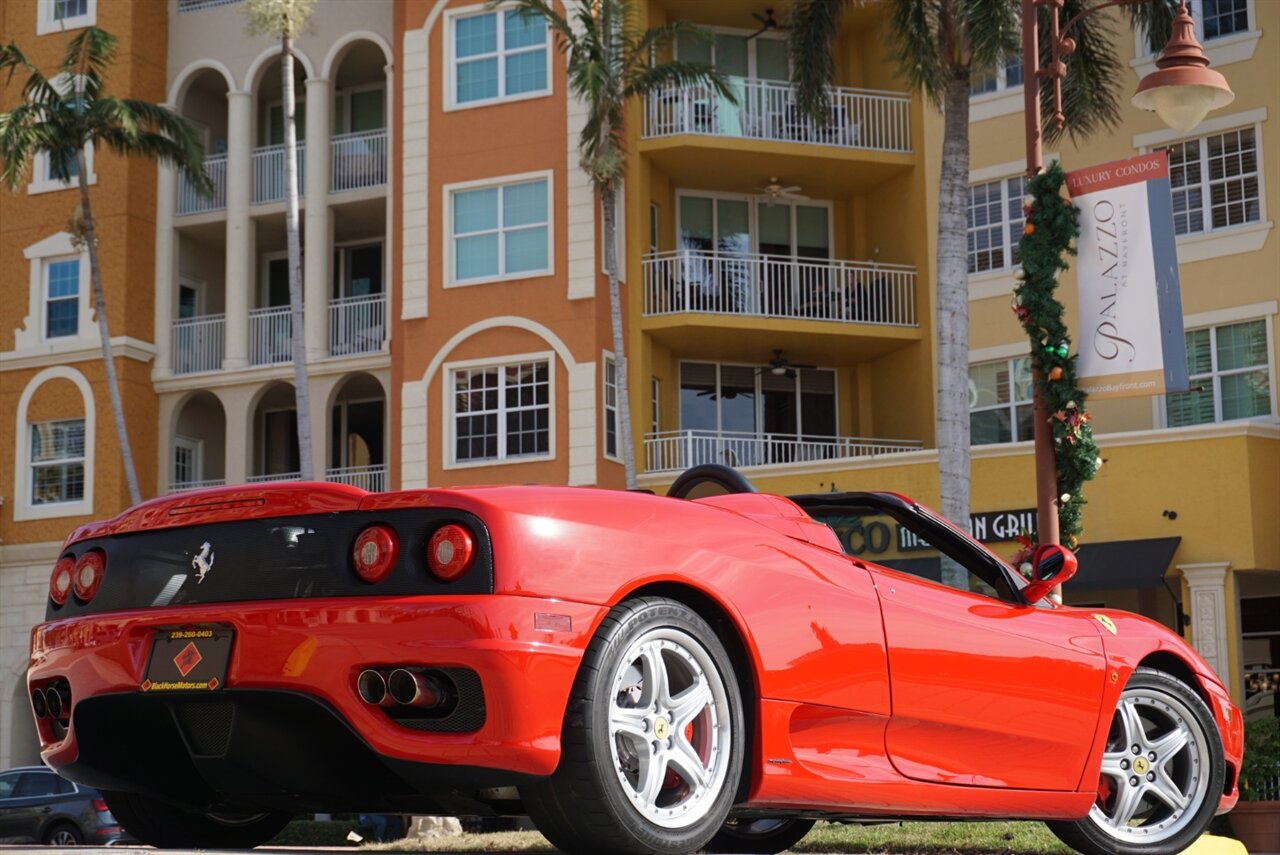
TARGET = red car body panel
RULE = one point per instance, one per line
(875, 692)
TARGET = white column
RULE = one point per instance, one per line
(166, 272)
(316, 227)
(236, 405)
(1207, 592)
(583, 424)
(240, 234)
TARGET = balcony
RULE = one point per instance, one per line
(268, 173)
(184, 486)
(357, 325)
(278, 476)
(191, 202)
(371, 478)
(197, 344)
(770, 286)
(867, 119)
(358, 160)
(674, 451)
(187, 6)
(270, 336)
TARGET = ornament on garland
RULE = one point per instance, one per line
(1049, 239)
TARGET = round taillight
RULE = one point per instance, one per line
(375, 553)
(87, 577)
(60, 581)
(450, 552)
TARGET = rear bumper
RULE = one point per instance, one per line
(290, 696)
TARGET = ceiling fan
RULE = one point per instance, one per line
(775, 191)
(780, 366)
(767, 22)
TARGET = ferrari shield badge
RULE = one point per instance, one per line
(1106, 622)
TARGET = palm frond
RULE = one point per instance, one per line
(278, 18)
(87, 59)
(19, 141)
(917, 30)
(542, 9)
(815, 26)
(994, 31)
(133, 127)
(679, 75)
(1155, 19)
(1090, 91)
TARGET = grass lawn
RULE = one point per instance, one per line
(926, 838)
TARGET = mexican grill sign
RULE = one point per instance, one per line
(1131, 339)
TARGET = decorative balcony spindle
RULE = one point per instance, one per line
(197, 344)
(268, 172)
(358, 160)
(772, 286)
(673, 451)
(191, 202)
(269, 336)
(371, 478)
(357, 325)
(766, 110)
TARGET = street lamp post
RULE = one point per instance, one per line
(1181, 91)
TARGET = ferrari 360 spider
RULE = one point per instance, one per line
(716, 668)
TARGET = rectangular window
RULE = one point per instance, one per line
(57, 462)
(996, 221)
(1214, 182)
(502, 412)
(1224, 17)
(62, 298)
(1005, 75)
(610, 407)
(499, 55)
(65, 9)
(1000, 401)
(501, 231)
(1229, 376)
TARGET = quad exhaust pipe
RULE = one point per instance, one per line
(53, 701)
(403, 687)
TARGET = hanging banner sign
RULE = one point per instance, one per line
(1131, 339)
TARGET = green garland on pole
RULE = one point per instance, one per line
(1048, 238)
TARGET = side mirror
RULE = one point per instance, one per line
(1052, 565)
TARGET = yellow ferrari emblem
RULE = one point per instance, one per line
(1140, 765)
(1107, 622)
(661, 728)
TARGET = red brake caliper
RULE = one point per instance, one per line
(1106, 789)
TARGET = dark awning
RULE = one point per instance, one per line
(1123, 564)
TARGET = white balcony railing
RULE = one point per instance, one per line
(184, 486)
(268, 173)
(198, 344)
(185, 6)
(357, 325)
(677, 450)
(269, 336)
(358, 160)
(371, 478)
(772, 286)
(766, 110)
(191, 202)
(278, 476)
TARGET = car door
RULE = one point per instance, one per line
(986, 690)
(8, 822)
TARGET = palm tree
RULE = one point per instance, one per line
(58, 118)
(611, 60)
(937, 44)
(285, 19)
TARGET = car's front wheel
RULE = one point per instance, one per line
(165, 826)
(1162, 773)
(653, 738)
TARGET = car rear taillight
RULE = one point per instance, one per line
(450, 552)
(87, 577)
(375, 552)
(100, 805)
(60, 581)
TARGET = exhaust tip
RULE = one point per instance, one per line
(53, 702)
(414, 689)
(38, 705)
(372, 687)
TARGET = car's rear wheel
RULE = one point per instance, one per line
(1162, 773)
(653, 738)
(165, 826)
(759, 836)
(63, 834)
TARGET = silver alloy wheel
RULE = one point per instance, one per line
(1155, 770)
(669, 728)
(63, 837)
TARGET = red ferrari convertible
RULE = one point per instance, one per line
(717, 668)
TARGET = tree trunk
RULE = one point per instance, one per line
(298, 333)
(625, 446)
(953, 310)
(100, 308)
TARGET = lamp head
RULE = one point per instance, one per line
(1183, 89)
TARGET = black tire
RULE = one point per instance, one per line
(63, 834)
(165, 826)
(658, 668)
(760, 836)
(1166, 710)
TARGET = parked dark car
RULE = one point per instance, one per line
(37, 806)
